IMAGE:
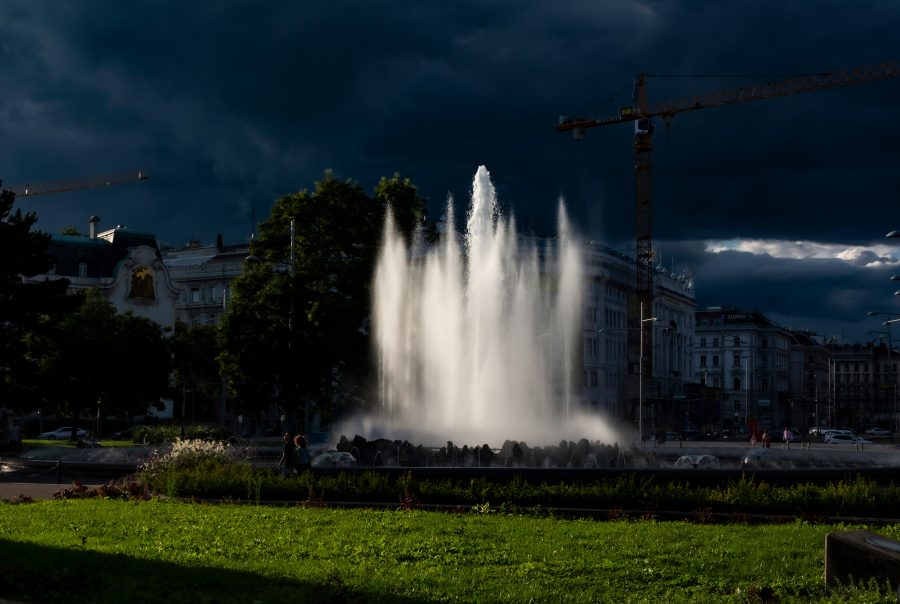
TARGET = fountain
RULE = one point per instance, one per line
(477, 337)
(477, 343)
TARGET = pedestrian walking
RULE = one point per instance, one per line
(288, 458)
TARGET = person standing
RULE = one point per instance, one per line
(788, 436)
(301, 454)
(288, 457)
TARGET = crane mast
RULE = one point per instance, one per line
(642, 113)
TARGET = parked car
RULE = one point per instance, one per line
(64, 433)
(845, 439)
(875, 431)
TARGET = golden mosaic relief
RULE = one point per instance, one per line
(142, 284)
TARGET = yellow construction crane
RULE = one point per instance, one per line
(642, 113)
(59, 186)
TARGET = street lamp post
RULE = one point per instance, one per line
(893, 391)
(290, 264)
(640, 367)
(891, 378)
(641, 374)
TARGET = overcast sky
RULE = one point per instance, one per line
(780, 205)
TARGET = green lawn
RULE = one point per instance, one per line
(116, 551)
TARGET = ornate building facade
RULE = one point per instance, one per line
(124, 264)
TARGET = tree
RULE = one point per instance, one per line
(117, 362)
(196, 375)
(27, 310)
(296, 331)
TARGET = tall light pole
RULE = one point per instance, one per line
(290, 265)
(891, 378)
(641, 374)
(893, 391)
(640, 366)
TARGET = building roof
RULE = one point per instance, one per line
(730, 315)
(100, 254)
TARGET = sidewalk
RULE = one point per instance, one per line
(35, 490)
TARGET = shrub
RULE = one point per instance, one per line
(155, 435)
(191, 463)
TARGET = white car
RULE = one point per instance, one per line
(845, 439)
(878, 432)
(828, 433)
(63, 433)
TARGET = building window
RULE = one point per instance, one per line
(195, 295)
(715, 342)
(737, 340)
(82, 269)
(715, 360)
(737, 383)
(764, 384)
(591, 348)
(737, 359)
(590, 314)
(702, 342)
(703, 360)
(593, 378)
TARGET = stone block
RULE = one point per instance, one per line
(852, 556)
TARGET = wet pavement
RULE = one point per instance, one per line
(32, 490)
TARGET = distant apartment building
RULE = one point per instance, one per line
(203, 276)
(811, 377)
(747, 358)
(864, 383)
(611, 351)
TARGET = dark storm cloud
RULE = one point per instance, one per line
(228, 105)
(827, 295)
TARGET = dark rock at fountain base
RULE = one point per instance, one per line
(512, 454)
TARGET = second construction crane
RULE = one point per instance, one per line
(641, 113)
(60, 186)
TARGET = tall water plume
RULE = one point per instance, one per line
(477, 340)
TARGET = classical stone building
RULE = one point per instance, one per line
(864, 385)
(746, 357)
(123, 263)
(203, 276)
(611, 357)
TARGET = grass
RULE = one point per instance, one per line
(123, 551)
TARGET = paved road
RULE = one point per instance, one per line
(35, 490)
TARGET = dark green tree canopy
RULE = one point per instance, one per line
(194, 352)
(297, 327)
(27, 310)
(121, 360)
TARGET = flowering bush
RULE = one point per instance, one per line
(191, 454)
